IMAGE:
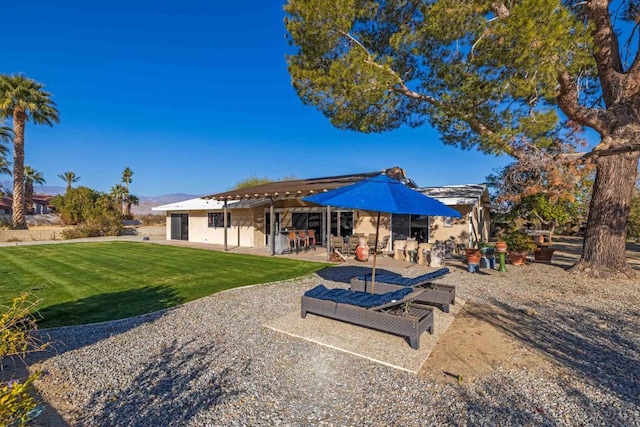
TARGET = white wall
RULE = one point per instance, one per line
(239, 234)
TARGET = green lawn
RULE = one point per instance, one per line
(93, 282)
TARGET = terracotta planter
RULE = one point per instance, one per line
(473, 259)
(472, 251)
(518, 258)
(543, 254)
(501, 246)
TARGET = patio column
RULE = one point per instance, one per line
(328, 233)
(224, 224)
(272, 228)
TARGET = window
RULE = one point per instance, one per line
(448, 221)
(216, 219)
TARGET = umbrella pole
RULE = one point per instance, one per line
(375, 254)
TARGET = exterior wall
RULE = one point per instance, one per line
(167, 221)
(458, 231)
(366, 224)
(475, 217)
(239, 234)
(248, 228)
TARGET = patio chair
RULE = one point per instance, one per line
(353, 243)
(382, 245)
(311, 237)
(434, 294)
(337, 242)
(371, 242)
(391, 312)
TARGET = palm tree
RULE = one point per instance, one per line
(119, 194)
(6, 136)
(24, 100)
(126, 176)
(31, 176)
(5, 166)
(69, 177)
(132, 200)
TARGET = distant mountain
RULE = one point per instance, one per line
(52, 190)
(146, 202)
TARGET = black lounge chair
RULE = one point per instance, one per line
(434, 294)
(391, 312)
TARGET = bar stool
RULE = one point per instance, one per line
(311, 236)
(303, 240)
(293, 242)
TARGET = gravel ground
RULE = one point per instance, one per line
(211, 362)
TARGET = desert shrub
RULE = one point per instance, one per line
(93, 213)
(17, 337)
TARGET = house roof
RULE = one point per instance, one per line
(42, 199)
(192, 205)
(298, 188)
(467, 194)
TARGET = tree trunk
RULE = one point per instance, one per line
(604, 247)
(28, 198)
(19, 119)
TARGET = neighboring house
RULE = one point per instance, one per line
(472, 201)
(256, 214)
(6, 206)
(40, 205)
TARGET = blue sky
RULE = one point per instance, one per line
(194, 97)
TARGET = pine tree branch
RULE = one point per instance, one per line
(403, 89)
(569, 104)
(607, 51)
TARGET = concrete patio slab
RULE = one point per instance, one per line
(379, 347)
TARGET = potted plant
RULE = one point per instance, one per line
(472, 255)
(543, 254)
(519, 245)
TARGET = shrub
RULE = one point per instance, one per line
(17, 337)
(519, 241)
(94, 213)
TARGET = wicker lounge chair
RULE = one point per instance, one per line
(434, 294)
(391, 312)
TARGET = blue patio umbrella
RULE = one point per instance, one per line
(382, 194)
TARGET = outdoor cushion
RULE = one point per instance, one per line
(407, 281)
(360, 299)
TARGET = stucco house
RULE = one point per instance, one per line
(256, 216)
(40, 205)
